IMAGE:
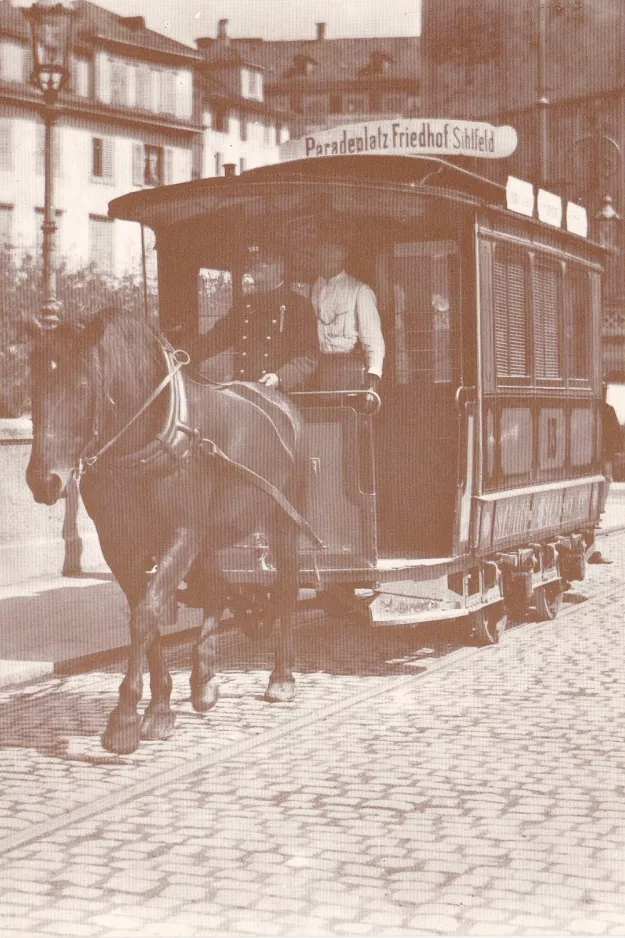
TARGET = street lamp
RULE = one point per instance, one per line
(51, 27)
(608, 219)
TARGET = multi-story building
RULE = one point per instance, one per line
(139, 110)
(554, 70)
(322, 82)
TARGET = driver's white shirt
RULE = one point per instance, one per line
(347, 313)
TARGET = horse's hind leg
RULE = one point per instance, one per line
(281, 687)
(123, 730)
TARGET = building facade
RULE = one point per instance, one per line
(554, 70)
(322, 82)
(139, 110)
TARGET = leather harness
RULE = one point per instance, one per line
(177, 440)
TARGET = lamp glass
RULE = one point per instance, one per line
(51, 28)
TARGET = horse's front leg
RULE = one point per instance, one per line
(204, 686)
(281, 687)
(123, 730)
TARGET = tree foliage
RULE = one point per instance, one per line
(81, 292)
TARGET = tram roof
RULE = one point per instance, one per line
(184, 202)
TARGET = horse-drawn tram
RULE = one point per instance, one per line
(476, 488)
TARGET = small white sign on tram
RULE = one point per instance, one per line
(549, 208)
(576, 219)
(412, 136)
(520, 196)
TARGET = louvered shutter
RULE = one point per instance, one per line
(168, 93)
(108, 158)
(510, 302)
(138, 165)
(6, 144)
(580, 341)
(547, 305)
(168, 166)
(101, 243)
(144, 88)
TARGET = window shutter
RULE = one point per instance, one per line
(144, 88)
(510, 301)
(168, 93)
(6, 225)
(184, 94)
(138, 164)
(580, 339)
(6, 144)
(168, 166)
(108, 159)
(12, 60)
(546, 284)
(101, 244)
(119, 94)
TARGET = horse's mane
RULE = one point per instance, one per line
(131, 355)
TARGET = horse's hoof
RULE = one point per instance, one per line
(204, 697)
(122, 733)
(157, 723)
(280, 692)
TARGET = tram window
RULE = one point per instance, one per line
(510, 269)
(580, 313)
(547, 320)
(214, 296)
(425, 288)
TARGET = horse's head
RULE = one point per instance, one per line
(64, 400)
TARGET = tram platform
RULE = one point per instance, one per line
(63, 625)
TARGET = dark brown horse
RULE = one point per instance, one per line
(159, 495)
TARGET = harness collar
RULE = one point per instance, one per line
(170, 446)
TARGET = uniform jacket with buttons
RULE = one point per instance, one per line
(269, 332)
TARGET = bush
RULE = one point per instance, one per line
(81, 292)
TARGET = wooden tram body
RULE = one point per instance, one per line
(479, 483)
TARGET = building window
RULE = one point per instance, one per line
(268, 135)
(335, 104)
(243, 127)
(151, 166)
(219, 163)
(252, 84)
(102, 159)
(242, 165)
(221, 121)
(6, 226)
(12, 61)
(6, 144)
(278, 135)
(79, 77)
(102, 243)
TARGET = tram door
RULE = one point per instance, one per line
(417, 438)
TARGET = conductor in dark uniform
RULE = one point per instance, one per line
(271, 331)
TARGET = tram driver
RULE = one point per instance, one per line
(270, 331)
(348, 325)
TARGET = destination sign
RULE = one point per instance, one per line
(413, 136)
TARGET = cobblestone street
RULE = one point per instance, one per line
(415, 786)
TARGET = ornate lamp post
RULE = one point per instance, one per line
(51, 27)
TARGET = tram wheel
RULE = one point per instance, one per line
(548, 600)
(488, 624)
